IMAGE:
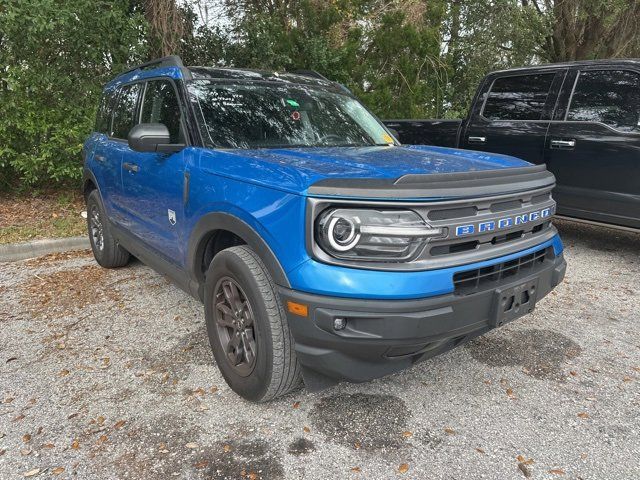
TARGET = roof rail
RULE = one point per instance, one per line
(168, 61)
(311, 73)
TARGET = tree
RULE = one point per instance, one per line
(54, 57)
(589, 29)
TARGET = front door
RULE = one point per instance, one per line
(594, 151)
(515, 116)
(153, 182)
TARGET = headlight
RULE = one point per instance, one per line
(373, 235)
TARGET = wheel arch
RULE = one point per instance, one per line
(212, 223)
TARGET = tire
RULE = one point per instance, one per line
(105, 249)
(260, 364)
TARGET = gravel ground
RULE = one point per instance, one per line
(108, 374)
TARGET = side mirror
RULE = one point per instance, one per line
(152, 137)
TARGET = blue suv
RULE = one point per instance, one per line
(323, 250)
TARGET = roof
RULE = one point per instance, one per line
(173, 67)
(575, 63)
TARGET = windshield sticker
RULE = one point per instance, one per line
(293, 103)
(295, 116)
(387, 138)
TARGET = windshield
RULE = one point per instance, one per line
(277, 116)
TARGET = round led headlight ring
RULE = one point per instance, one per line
(342, 234)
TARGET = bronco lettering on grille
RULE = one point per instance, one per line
(502, 223)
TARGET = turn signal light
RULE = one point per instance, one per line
(298, 308)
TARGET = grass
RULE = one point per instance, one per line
(37, 215)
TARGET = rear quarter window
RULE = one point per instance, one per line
(520, 97)
(103, 116)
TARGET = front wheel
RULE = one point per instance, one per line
(247, 327)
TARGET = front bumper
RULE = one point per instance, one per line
(385, 336)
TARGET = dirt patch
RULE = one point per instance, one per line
(542, 354)
(41, 215)
(301, 446)
(233, 460)
(362, 421)
(58, 294)
(56, 257)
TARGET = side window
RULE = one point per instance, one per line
(611, 97)
(518, 98)
(124, 113)
(103, 117)
(160, 105)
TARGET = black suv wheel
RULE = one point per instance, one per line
(105, 249)
(247, 327)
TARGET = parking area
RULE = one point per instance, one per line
(108, 374)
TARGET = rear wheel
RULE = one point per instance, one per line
(247, 327)
(105, 249)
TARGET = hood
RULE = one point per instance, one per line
(296, 169)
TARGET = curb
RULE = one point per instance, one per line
(21, 251)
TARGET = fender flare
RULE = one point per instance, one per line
(223, 221)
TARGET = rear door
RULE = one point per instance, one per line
(153, 182)
(593, 147)
(512, 114)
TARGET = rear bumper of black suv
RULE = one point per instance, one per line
(385, 336)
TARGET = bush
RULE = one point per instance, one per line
(54, 57)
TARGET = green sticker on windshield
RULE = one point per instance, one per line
(293, 103)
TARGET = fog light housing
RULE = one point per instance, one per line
(339, 323)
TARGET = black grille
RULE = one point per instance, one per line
(472, 281)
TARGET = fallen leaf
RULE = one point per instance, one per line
(213, 389)
(191, 445)
(119, 424)
(199, 391)
(407, 434)
(75, 445)
(100, 420)
(306, 429)
(64, 372)
(48, 445)
(2, 452)
(637, 369)
(403, 468)
(102, 439)
(525, 471)
(510, 393)
(521, 459)
(227, 448)
(626, 379)
(26, 438)
(573, 373)
(583, 415)
(201, 464)
(356, 469)
(296, 404)
(449, 431)
(479, 450)
(253, 476)
(57, 470)
(357, 445)
(557, 471)
(19, 417)
(31, 473)
(61, 346)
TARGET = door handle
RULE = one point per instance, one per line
(132, 167)
(563, 144)
(477, 139)
(100, 158)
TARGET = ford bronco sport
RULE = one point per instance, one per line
(323, 250)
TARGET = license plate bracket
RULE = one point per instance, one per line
(513, 302)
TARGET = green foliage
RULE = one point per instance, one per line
(403, 58)
(55, 56)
